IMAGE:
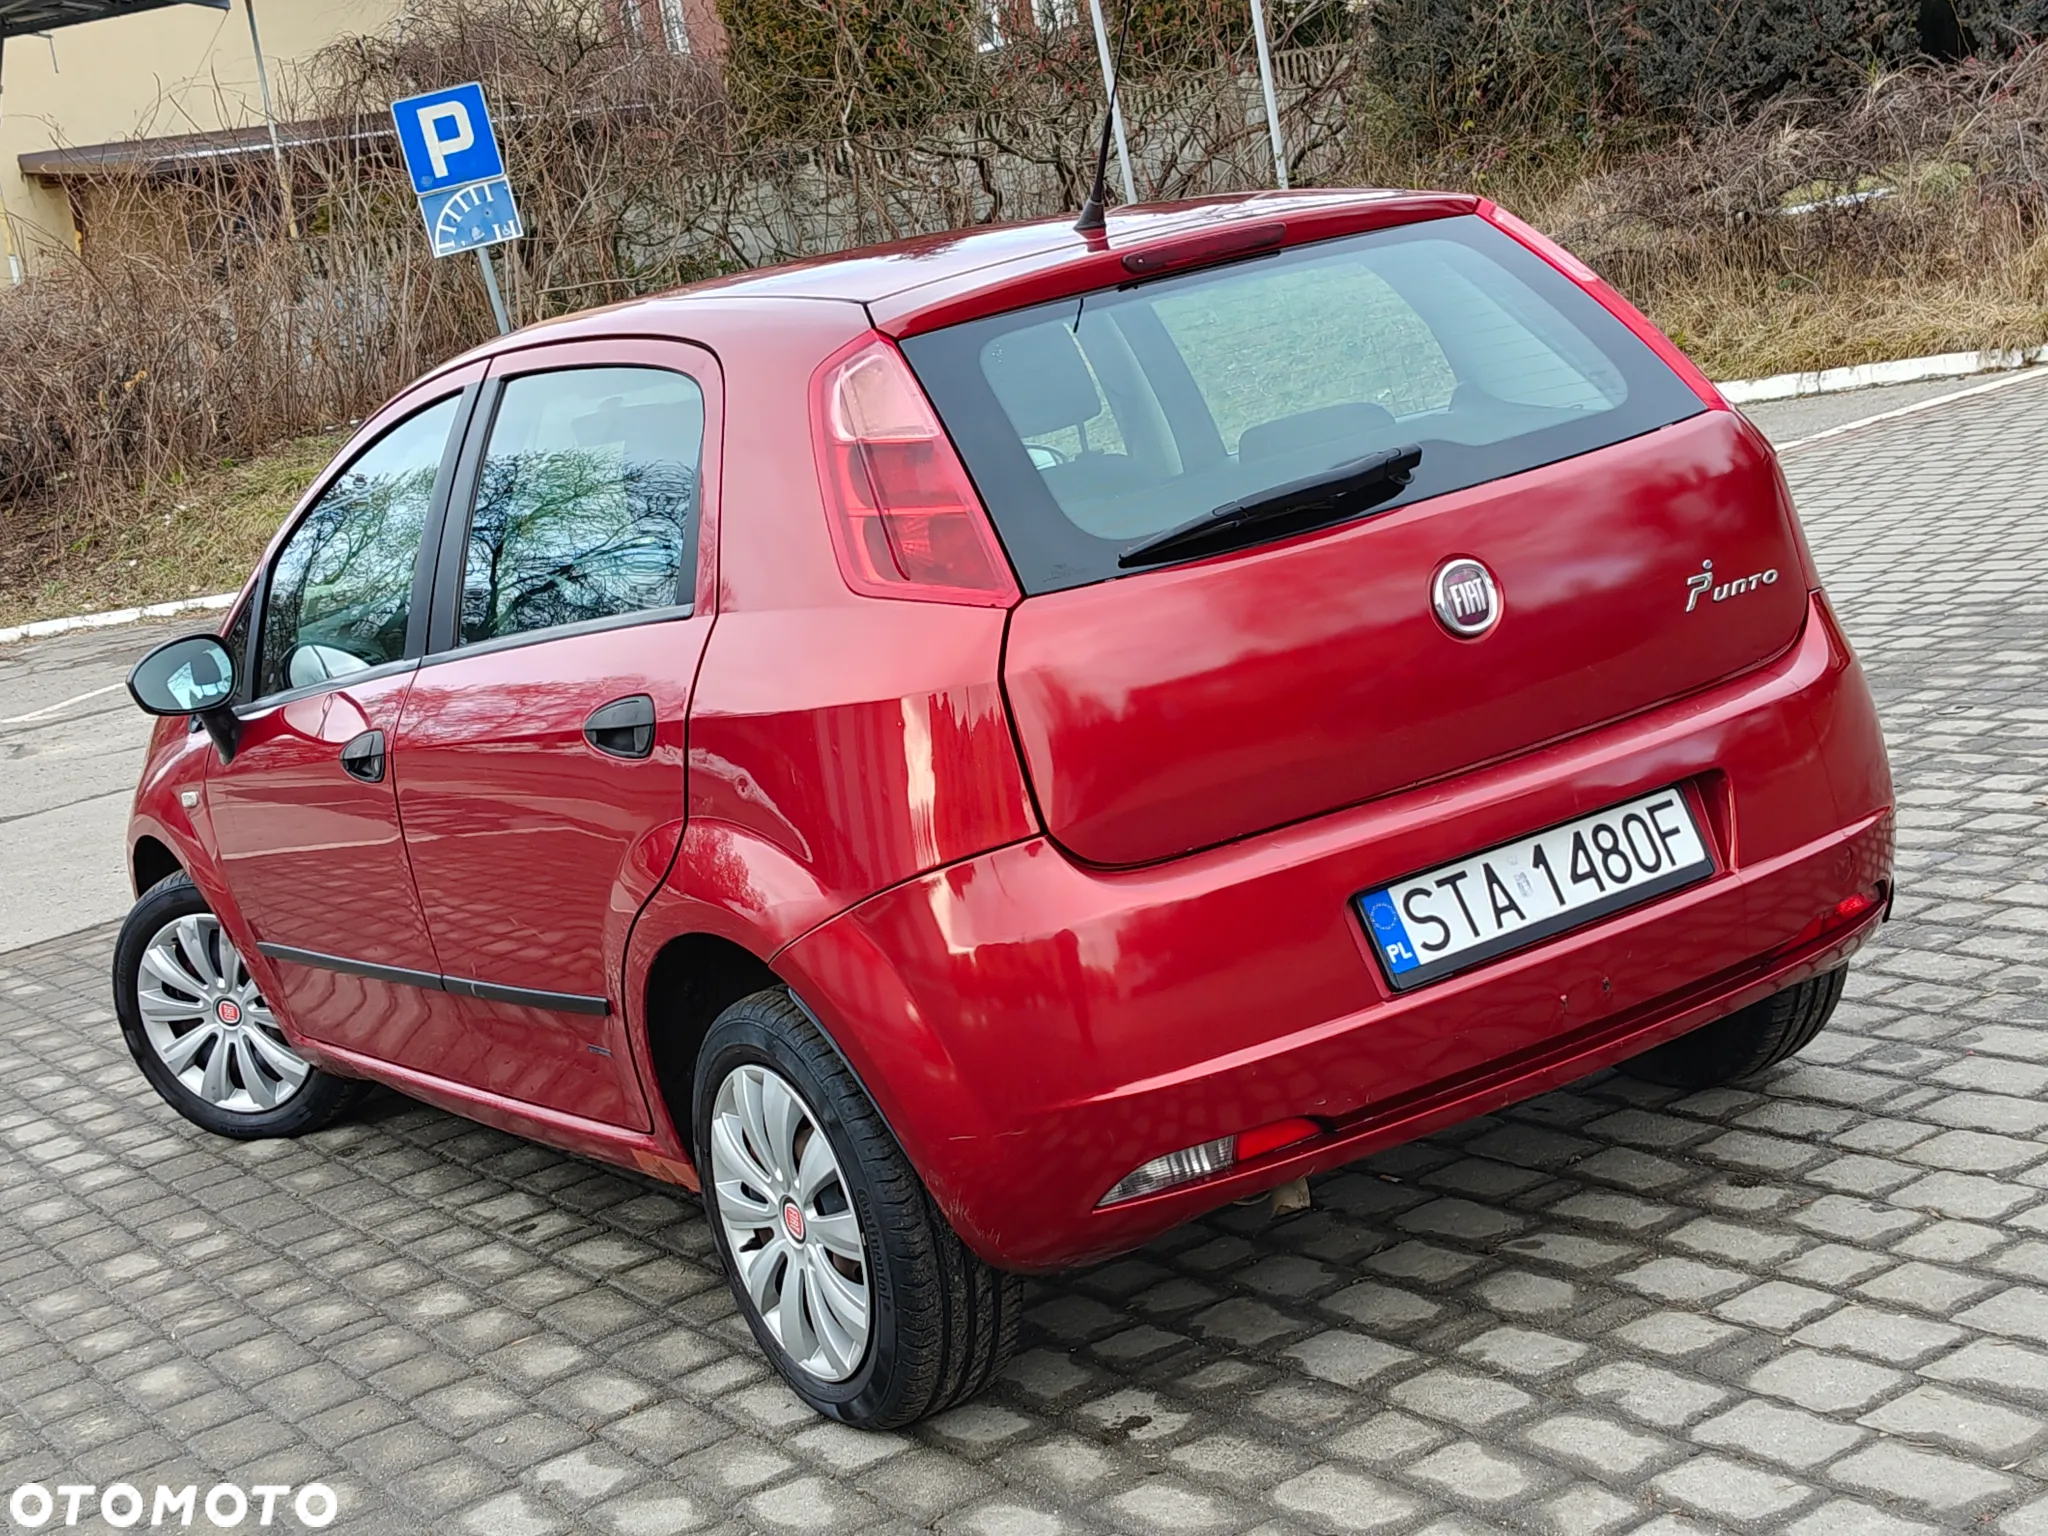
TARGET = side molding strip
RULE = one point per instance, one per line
(527, 997)
(393, 973)
(461, 986)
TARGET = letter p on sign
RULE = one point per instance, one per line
(455, 117)
(446, 138)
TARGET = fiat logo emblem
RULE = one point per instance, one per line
(227, 1011)
(793, 1222)
(1466, 599)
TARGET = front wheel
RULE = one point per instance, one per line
(870, 1306)
(1746, 1041)
(200, 1030)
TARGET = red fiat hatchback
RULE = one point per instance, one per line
(978, 751)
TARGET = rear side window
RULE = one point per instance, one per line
(586, 503)
(1094, 423)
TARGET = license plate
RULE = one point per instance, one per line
(1456, 915)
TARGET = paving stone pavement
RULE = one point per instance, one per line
(1818, 1304)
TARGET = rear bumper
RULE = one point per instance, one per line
(1034, 1030)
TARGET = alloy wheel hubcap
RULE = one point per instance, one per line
(207, 1022)
(789, 1223)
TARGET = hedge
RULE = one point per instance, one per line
(1450, 65)
(804, 66)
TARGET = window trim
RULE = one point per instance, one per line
(247, 702)
(668, 355)
(525, 637)
(265, 703)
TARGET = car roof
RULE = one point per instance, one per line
(964, 263)
(868, 274)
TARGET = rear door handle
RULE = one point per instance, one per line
(622, 728)
(363, 757)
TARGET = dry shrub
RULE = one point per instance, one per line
(1911, 218)
(194, 326)
(152, 356)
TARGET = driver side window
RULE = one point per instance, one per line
(341, 590)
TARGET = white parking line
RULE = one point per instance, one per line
(2005, 381)
(62, 704)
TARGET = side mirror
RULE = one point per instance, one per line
(191, 676)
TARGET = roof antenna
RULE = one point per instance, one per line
(1092, 220)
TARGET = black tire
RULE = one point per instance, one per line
(1744, 1043)
(320, 1100)
(942, 1322)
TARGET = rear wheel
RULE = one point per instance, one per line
(200, 1030)
(854, 1284)
(1745, 1042)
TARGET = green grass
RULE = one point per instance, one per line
(182, 537)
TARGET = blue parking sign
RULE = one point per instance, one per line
(446, 138)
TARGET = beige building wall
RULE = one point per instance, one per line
(183, 69)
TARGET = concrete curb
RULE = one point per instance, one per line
(38, 628)
(1905, 370)
(1779, 386)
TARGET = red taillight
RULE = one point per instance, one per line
(906, 521)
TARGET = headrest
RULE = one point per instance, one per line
(1041, 379)
(1355, 424)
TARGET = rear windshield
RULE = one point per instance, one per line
(1092, 424)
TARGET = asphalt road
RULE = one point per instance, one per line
(71, 745)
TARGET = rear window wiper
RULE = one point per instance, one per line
(1333, 493)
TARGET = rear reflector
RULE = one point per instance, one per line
(1209, 1159)
(1842, 914)
(906, 521)
(1270, 1138)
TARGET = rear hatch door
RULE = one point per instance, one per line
(1636, 545)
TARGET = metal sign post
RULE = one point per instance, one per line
(451, 153)
(483, 259)
(1116, 111)
(6, 218)
(1272, 101)
(284, 181)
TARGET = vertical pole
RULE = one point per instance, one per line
(6, 218)
(284, 186)
(483, 257)
(1116, 111)
(1272, 102)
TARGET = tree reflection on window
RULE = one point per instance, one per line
(586, 502)
(341, 590)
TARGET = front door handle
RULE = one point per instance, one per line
(622, 728)
(363, 757)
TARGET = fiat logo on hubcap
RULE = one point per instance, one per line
(793, 1222)
(228, 1011)
(1466, 600)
